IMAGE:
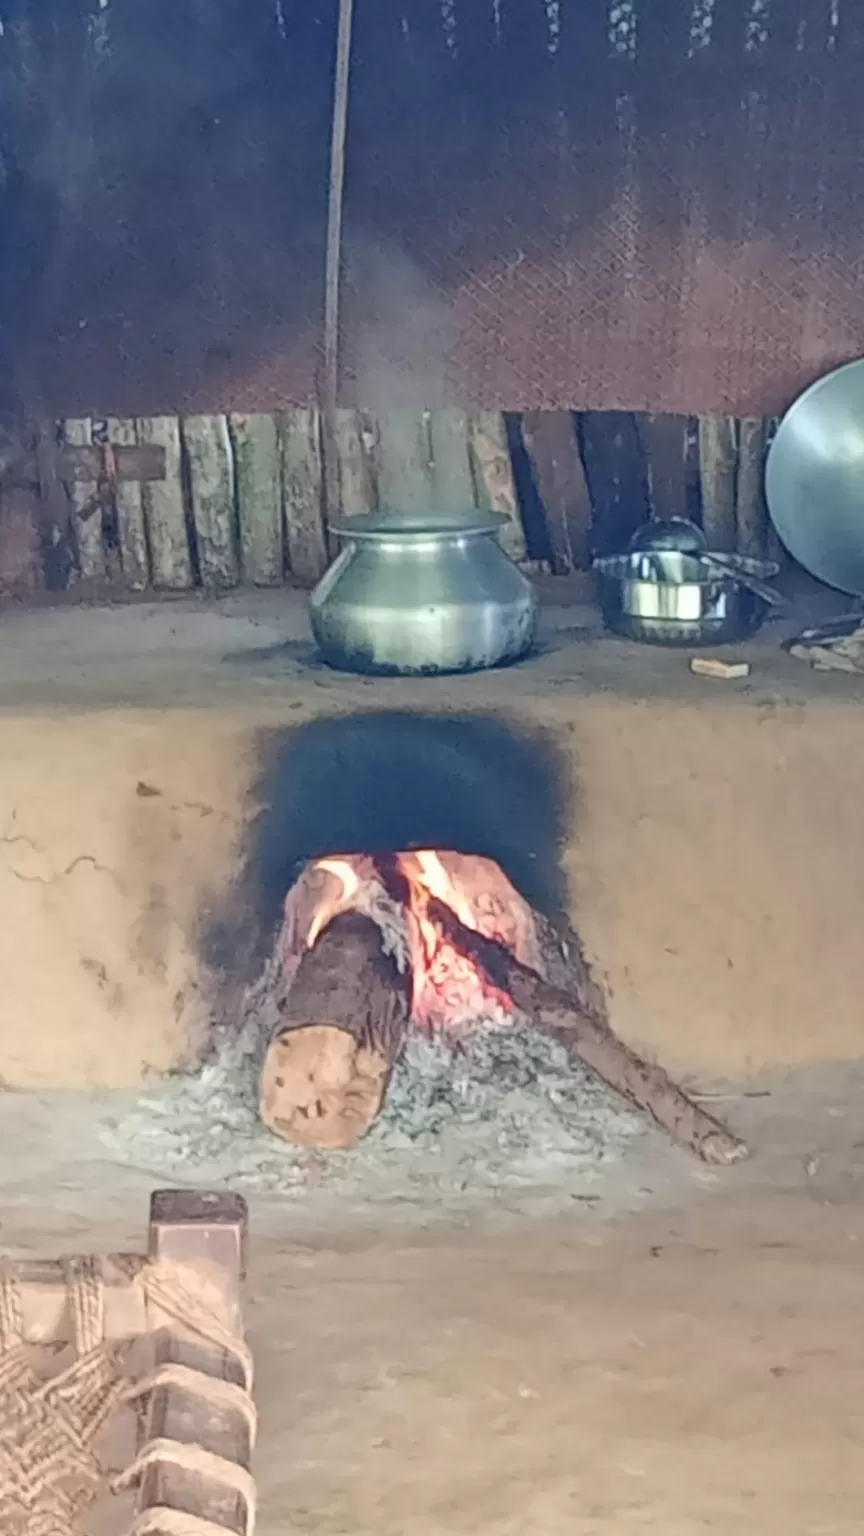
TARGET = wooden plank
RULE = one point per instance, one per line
(54, 510)
(211, 483)
(615, 470)
(87, 517)
(664, 448)
(450, 461)
(356, 464)
(550, 441)
(21, 569)
(258, 471)
(718, 468)
(424, 461)
(303, 490)
(404, 461)
(494, 481)
(164, 508)
(129, 505)
(751, 512)
(775, 549)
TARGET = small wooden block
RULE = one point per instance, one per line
(191, 1225)
(711, 666)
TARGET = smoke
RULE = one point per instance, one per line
(403, 332)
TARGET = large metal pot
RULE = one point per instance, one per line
(410, 595)
(667, 597)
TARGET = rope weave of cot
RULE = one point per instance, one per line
(49, 1470)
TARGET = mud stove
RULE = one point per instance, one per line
(388, 888)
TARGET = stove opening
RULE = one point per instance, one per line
(388, 783)
(401, 882)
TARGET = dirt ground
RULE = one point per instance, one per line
(692, 1365)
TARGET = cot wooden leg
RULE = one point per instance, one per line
(192, 1473)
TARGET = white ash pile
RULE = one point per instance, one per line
(495, 1109)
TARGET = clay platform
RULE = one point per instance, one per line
(711, 847)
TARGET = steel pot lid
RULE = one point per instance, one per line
(419, 525)
(669, 533)
(814, 479)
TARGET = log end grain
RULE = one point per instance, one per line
(321, 1088)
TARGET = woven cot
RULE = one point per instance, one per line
(195, 1411)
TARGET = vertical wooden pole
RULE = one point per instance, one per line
(559, 474)
(193, 1470)
(405, 465)
(53, 511)
(664, 447)
(358, 492)
(87, 528)
(718, 464)
(751, 513)
(211, 479)
(258, 472)
(495, 483)
(614, 465)
(775, 549)
(452, 479)
(333, 259)
(131, 523)
(164, 508)
(302, 491)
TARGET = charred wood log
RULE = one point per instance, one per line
(586, 1034)
(340, 1032)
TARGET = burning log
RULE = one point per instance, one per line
(587, 1035)
(340, 1033)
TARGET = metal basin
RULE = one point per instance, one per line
(666, 597)
(814, 479)
(422, 597)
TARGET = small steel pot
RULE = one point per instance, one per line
(666, 597)
(422, 597)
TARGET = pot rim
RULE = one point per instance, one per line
(412, 525)
(625, 569)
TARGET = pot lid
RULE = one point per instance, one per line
(416, 524)
(669, 533)
(814, 479)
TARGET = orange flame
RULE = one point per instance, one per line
(448, 987)
(438, 883)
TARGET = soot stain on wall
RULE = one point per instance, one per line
(381, 782)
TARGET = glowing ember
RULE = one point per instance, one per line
(448, 988)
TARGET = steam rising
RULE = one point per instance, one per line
(405, 333)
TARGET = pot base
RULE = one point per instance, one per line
(681, 633)
(359, 663)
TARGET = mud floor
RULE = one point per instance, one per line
(682, 1353)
